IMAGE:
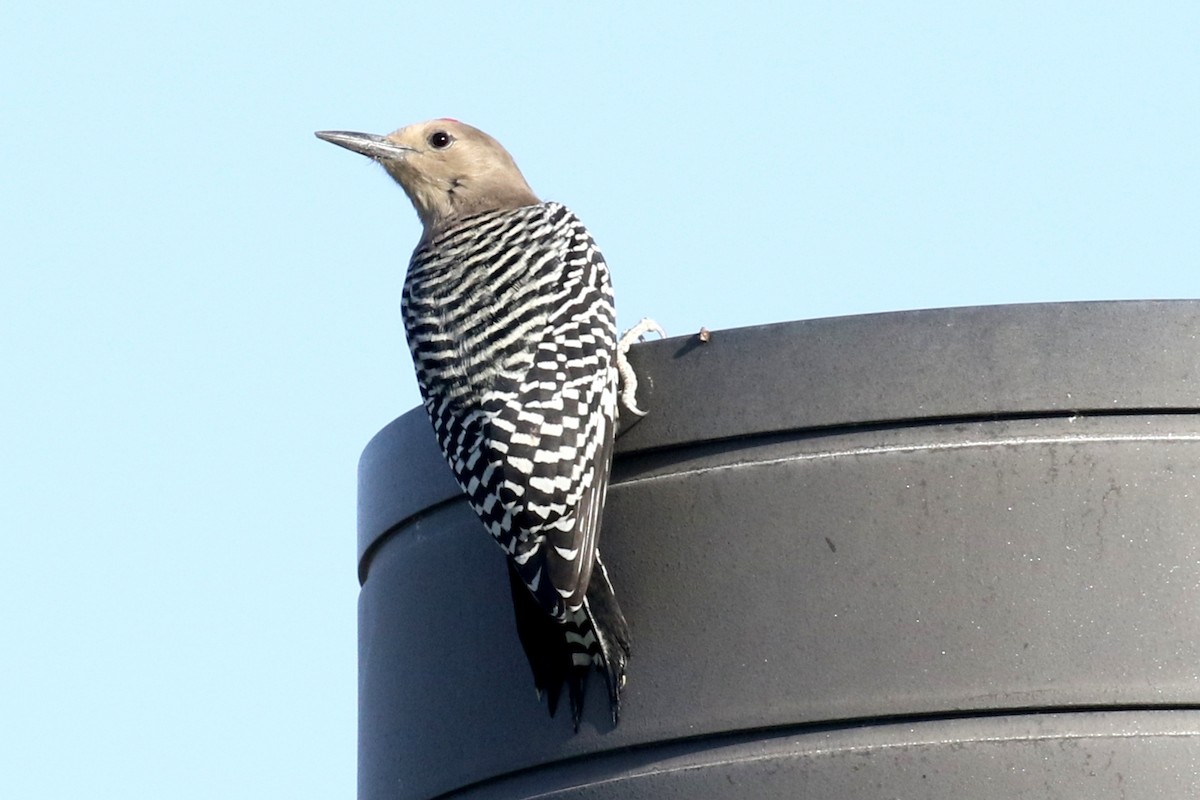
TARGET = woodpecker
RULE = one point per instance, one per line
(508, 311)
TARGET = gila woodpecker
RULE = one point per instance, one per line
(509, 315)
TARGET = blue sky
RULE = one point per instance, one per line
(199, 300)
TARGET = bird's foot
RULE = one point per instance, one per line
(628, 378)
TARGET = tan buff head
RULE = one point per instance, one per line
(448, 169)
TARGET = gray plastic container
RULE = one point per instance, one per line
(935, 554)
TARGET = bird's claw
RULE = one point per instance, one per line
(628, 378)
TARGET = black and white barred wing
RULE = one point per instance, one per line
(553, 454)
(527, 423)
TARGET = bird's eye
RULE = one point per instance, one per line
(440, 140)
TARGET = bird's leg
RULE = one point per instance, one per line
(628, 378)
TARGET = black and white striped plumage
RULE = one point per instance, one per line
(509, 315)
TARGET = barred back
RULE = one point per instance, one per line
(510, 321)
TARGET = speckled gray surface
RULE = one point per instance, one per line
(924, 516)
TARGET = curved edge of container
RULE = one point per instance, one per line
(905, 367)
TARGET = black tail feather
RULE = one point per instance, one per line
(563, 652)
(544, 644)
(612, 634)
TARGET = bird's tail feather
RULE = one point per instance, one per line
(564, 652)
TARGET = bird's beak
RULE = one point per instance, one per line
(379, 148)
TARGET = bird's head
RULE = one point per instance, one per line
(448, 169)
